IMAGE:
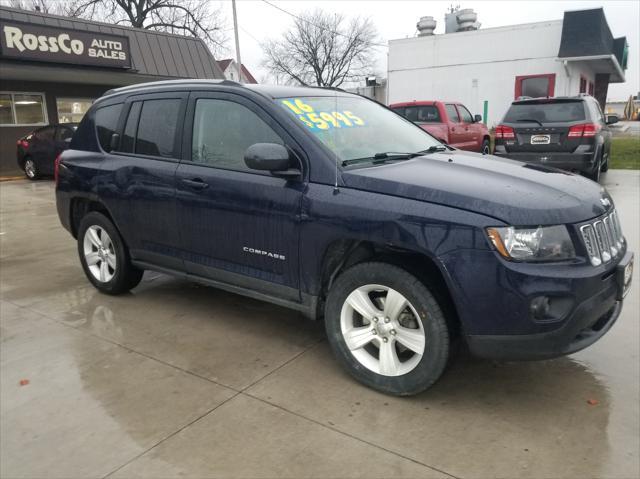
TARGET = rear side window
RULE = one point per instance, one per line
(596, 112)
(420, 114)
(106, 120)
(546, 112)
(157, 127)
(452, 113)
(45, 134)
(223, 130)
(63, 133)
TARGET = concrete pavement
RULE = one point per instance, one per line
(177, 379)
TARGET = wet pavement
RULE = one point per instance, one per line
(177, 379)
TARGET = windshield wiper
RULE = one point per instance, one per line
(529, 120)
(380, 158)
(390, 155)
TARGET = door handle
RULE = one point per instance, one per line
(196, 184)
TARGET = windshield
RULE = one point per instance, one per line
(354, 127)
(556, 112)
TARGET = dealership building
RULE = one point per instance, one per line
(487, 68)
(52, 68)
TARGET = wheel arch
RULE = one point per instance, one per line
(342, 254)
(80, 207)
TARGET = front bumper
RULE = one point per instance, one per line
(589, 321)
(583, 162)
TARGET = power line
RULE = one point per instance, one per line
(318, 26)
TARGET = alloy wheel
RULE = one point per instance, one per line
(382, 330)
(30, 168)
(99, 253)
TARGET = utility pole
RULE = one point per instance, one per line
(235, 30)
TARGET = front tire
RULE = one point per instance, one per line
(486, 147)
(104, 256)
(31, 170)
(386, 329)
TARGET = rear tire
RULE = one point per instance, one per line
(386, 329)
(595, 174)
(31, 170)
(104, 256)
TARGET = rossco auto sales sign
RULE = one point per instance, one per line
(60, 45)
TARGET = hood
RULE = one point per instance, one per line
(516, 193)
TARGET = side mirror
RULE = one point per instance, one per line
(114, 144)
(270, 157)
(477, 118)
(611, 119)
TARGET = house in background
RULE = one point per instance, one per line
(230, 69)
(486, 69)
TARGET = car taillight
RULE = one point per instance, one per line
(585, 130)
(56, 167)
(503, 131)
(23, 143)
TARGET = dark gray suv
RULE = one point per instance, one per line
(570, 133)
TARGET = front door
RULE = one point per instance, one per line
(471, 131)
(456, 128)
(238, 226)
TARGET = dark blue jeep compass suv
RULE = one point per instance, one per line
(333, 205)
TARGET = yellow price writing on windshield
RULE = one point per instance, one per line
(322, 120)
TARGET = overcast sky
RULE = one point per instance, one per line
(259, 21)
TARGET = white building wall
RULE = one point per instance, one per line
(480, 65)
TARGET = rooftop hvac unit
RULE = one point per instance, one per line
(467, 20)
(426, 26)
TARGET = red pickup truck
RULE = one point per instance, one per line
(449, 122)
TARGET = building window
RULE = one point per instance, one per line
(591, 88)
(583, 84)
(17, 108)
(71, 110)
(535, 86)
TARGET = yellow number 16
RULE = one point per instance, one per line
(298, 106)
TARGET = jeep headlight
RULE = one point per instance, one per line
(544, 243)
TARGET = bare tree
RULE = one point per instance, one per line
(322, 49)
(196, 18)
(45, 6)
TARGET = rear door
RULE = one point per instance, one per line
(238, 226)
(142, 192)
(543, 126)
(599, 119)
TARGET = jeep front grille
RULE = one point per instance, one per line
(603, 238)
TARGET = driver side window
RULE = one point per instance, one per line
(223, 130)
(465, 115)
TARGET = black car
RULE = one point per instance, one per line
(331, 204)
(37, 151)
(570, 133)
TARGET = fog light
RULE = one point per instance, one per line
(540, 308)
(550, 308)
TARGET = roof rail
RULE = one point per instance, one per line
(140, 86)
